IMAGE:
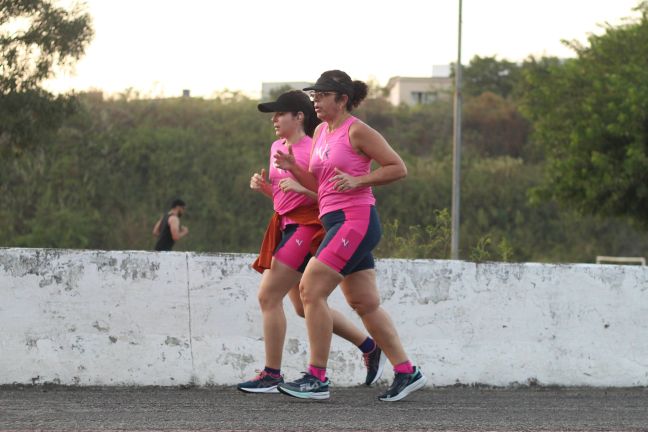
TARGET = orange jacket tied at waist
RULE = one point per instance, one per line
(307, 215)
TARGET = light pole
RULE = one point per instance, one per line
(456, 153)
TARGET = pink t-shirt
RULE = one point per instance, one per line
(333, 150)
(284, 202)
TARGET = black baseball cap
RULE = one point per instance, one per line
(326, 83)
(292, 101)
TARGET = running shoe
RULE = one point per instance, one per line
(306, 387)
(403, 385)
(375, 363)
(262, 383)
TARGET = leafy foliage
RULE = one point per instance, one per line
(36, 37)
(488, 74)
(107, 175)
(97, 173)
(590, 115)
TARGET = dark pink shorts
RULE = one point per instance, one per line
(351, 235)
(294, 248)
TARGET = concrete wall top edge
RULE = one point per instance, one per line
(387, 260)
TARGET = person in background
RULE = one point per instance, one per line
(167, 229)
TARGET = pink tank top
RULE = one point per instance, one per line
(333, 150)
(284, 202)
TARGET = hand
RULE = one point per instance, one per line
(292, 185)
(344, 181)
(285, 161)
(184, 230)
(258, 182)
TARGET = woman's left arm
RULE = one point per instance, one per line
(291, 185)
(369, 142)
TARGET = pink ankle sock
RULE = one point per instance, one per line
(405, 367)
(319, 373)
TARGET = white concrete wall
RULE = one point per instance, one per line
(109, 318)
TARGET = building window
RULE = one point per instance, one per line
(419, 97)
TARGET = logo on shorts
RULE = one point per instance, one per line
(345, 242)
(299, 242)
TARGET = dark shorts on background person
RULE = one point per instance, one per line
(351, 235)
(294, 248)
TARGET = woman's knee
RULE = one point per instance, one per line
(361, 292)
(364, 306)
(268, 299)
(295, 299)
(299, 310)
(317, 283)
(311, 294)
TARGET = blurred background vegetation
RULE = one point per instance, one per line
(554, 160)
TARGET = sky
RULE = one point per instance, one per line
(160, 47)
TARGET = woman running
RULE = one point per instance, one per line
(340, 171)
(288, 241)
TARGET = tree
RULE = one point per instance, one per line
(590, 114)
(487, 74)
(113, 166)
(493, 126)
(36, 37)
(375, 90)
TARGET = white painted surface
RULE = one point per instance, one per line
(142, 318)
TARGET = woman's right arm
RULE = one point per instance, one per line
(258, 183)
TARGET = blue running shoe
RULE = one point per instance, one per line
(262, 383)
(306, 387)
(375, 363)
(403, 385)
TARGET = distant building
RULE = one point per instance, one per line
(441, 70)
(267, 88)
(186, 93)
(416, 91)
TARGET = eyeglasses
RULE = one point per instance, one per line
(317, 95)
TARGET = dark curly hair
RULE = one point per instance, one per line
(178, 202)
(357, 90)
